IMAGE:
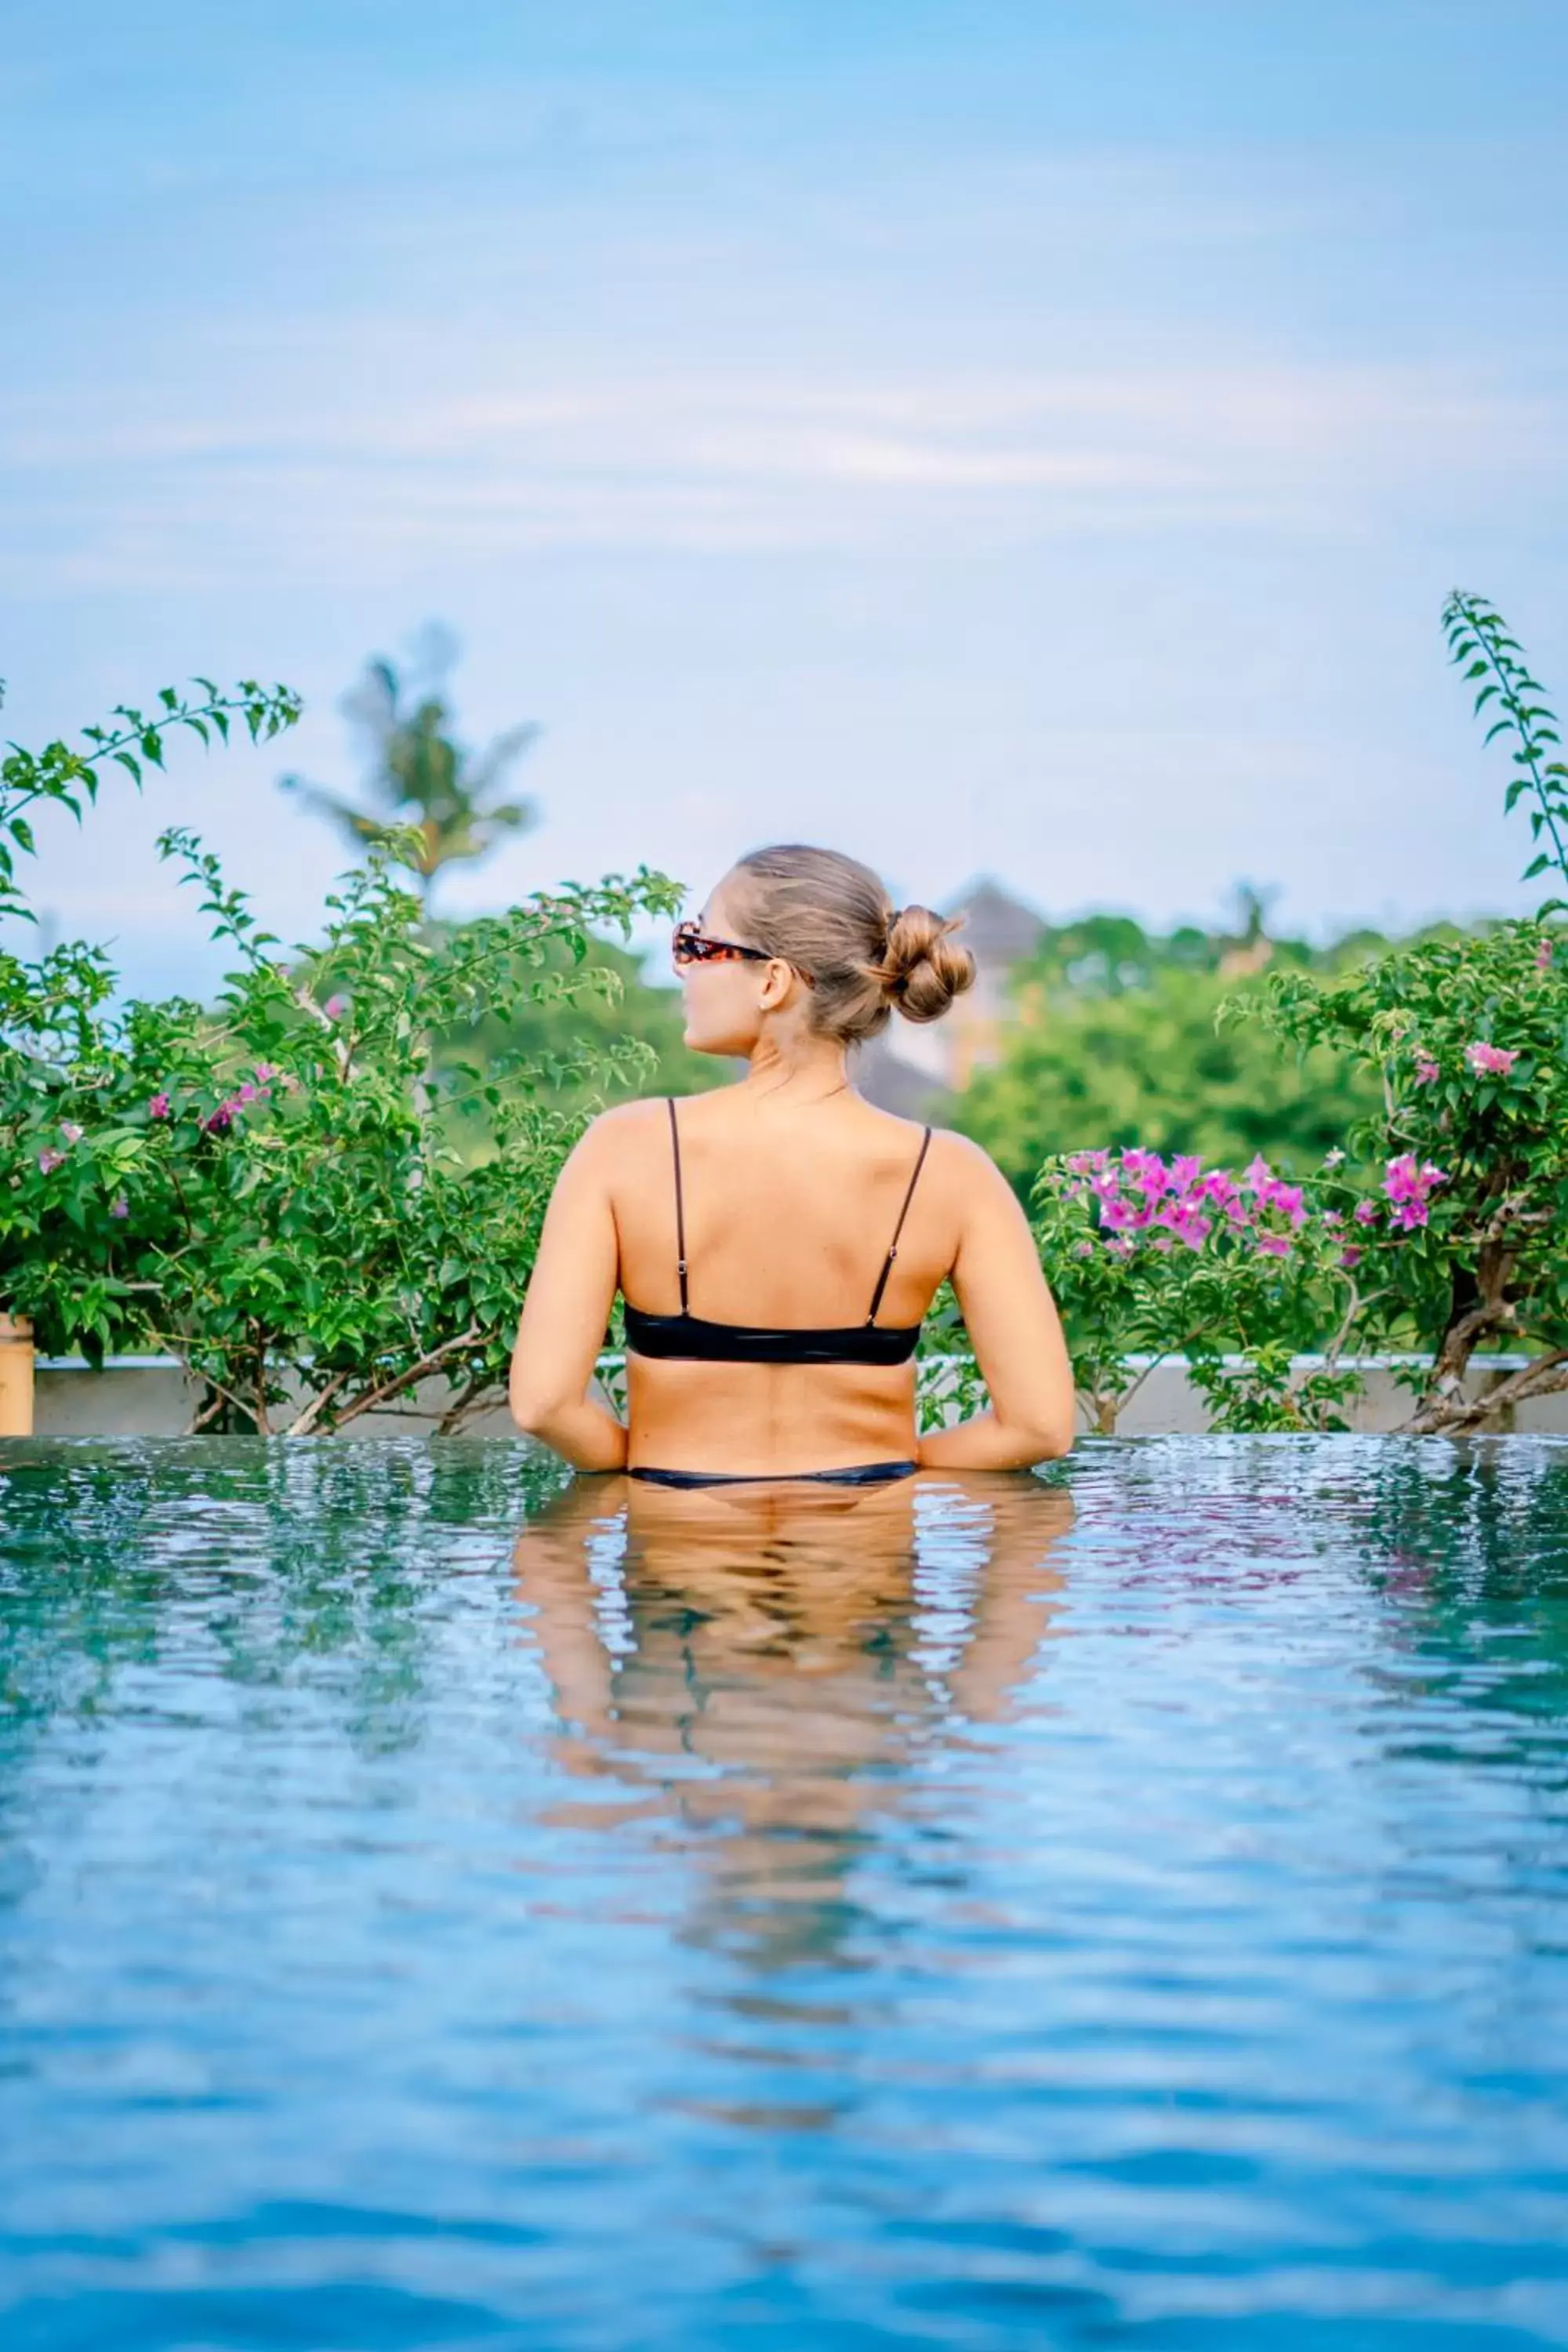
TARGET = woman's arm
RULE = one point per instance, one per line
(1012, 1320)
(569, 1299)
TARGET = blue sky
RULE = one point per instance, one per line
(1031, 438)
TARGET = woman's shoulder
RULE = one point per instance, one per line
(947, 1149)
(629, 1127)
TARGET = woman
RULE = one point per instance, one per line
(778, 1242)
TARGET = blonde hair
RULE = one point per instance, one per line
(832, 918)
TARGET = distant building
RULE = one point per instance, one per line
(915, 1069)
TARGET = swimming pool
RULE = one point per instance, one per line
(1125, 1909)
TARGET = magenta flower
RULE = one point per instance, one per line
(1333, 1217)
(1187, 1222)
(1543, 956)
(71, 1130)
(222, 1118)
(1405, 1182)
(120, 1206)
(1186, 1168)
(1365, 1212)
(1257, 1174)
(266, 1072)
(1405, 1215)
(1351, 1257)
(1426, 1071)
(246, 1093)
(160, 1107)
(1083, 1163)
(48, 1160)
(1286, 1198)
(1490, 1061)
(1148, 1171)
(1274, 1244)
(335, 1007)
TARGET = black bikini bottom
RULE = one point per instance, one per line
(864, 1474)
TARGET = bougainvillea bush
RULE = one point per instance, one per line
(266, 1187)
(1468, 1037)
(1239, 1274)
(1439, 1228)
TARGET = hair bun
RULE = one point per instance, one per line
(925, 968)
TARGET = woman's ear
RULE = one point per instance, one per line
(777, 981)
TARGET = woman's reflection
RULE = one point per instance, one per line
(761, 1667)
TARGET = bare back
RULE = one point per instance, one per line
(789, 1214)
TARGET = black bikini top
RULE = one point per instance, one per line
(691, 1337)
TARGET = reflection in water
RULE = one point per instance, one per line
(758, 1665)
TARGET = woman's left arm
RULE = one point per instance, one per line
(570, 1294)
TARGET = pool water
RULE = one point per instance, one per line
(443, 1903)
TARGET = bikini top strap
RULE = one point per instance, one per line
(679, 1207)
(898, 1229)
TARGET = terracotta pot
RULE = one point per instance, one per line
(16, 1376)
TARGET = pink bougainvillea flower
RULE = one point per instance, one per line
(160, 1107)
(1186, 1168)
(1406, 1215)
(1119, 1245)
(1286, 1198)
(1426, 1071)
(1351, 1257)
(1187, 1222)
(1333, 1217)
(1148, 1171)
(1274, 1244)
(1257, 1173)
(48, 1160)
(1543, 956)
(120, 1206)
(1365, 1212)
(1404, 1181)
(221, 1118)
(266, 1072)
(1490, 1061)
(246, 1094)
(335, 1007)
(71, 1130)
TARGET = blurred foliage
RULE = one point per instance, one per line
(581, 1010)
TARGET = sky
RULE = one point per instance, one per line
(1027, 438)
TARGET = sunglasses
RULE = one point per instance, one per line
(692, 946)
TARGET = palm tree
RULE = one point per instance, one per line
(419, 773)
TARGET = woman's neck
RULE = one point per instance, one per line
(804, 1068)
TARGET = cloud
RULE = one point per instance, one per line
(227, 484)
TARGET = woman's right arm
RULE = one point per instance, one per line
(1016, 1333)
(570, 1294)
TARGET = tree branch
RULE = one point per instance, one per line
(406, 1379)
